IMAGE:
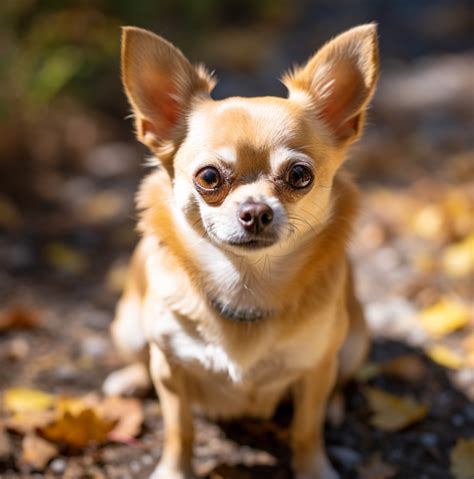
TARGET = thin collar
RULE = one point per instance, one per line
(239, 315)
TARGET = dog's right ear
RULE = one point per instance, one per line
(160, 84)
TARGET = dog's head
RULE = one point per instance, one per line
(250, 172)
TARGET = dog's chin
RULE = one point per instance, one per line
(243, 245)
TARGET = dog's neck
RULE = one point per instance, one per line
(250, 287)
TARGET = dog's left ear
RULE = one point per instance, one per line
(161, 85)
(338, 82)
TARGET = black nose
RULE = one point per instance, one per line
(255, 217)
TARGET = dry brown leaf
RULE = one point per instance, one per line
(19, 317)
(444, 317)
(445, 357)
(462, 459)
(25, 422)
(78, 430)
(376, 468)
(408, 366)
(5, 445)
(393, 413)
(37, 452)
(23, 400)
(126, 413)
(9, 214)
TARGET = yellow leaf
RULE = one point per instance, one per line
(65, 258)
(368, 371)
(117, 277)
(78, 430)
(468, 348)
(445, 357)
(393, 413)
(429, 222)
(37, 452)
(462, 459)
(73, 405)
(103, 206)
(444, 317)
(458, 258)
(22, 400)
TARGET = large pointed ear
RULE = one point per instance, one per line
(338, 82)
(160, 84)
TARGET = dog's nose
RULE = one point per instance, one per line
(255, 217)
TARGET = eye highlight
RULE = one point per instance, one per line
(299, 176)
(208, 178)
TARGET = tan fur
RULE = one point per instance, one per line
(301, 283)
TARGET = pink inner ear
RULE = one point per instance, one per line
(162, 107)
(339, 109)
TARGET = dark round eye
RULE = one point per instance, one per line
(299, 176)
(208, 178)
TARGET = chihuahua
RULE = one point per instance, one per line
(240, 289)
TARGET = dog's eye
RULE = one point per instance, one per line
(299, 176)
(208, 178)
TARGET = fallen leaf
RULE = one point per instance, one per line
(103, 206)
(445, 357)
(408, 366)
(78, 430)
(462, 459)
(393, 413)
(429, 222)
(23, 400)
(19, 317)
(9, 214)
(444, 317)
(5, 445)
(65, 258)
(468, 348)
(37, 452)
(368, 371)
(117, 277)
(376, 468)
(458, 210)
(458, 259)
(26, 422)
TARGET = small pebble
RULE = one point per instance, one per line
(147, 460)
(345, 456)
(58, 465)
(428, 439)
(135, 467)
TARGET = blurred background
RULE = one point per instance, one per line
(69, 168)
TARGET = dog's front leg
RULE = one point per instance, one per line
(170, 384)
(311, 393)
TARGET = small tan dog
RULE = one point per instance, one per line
(240, 289)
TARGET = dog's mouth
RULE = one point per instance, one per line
(252, 244)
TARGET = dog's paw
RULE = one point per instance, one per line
(132, 380)
(164, 471)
